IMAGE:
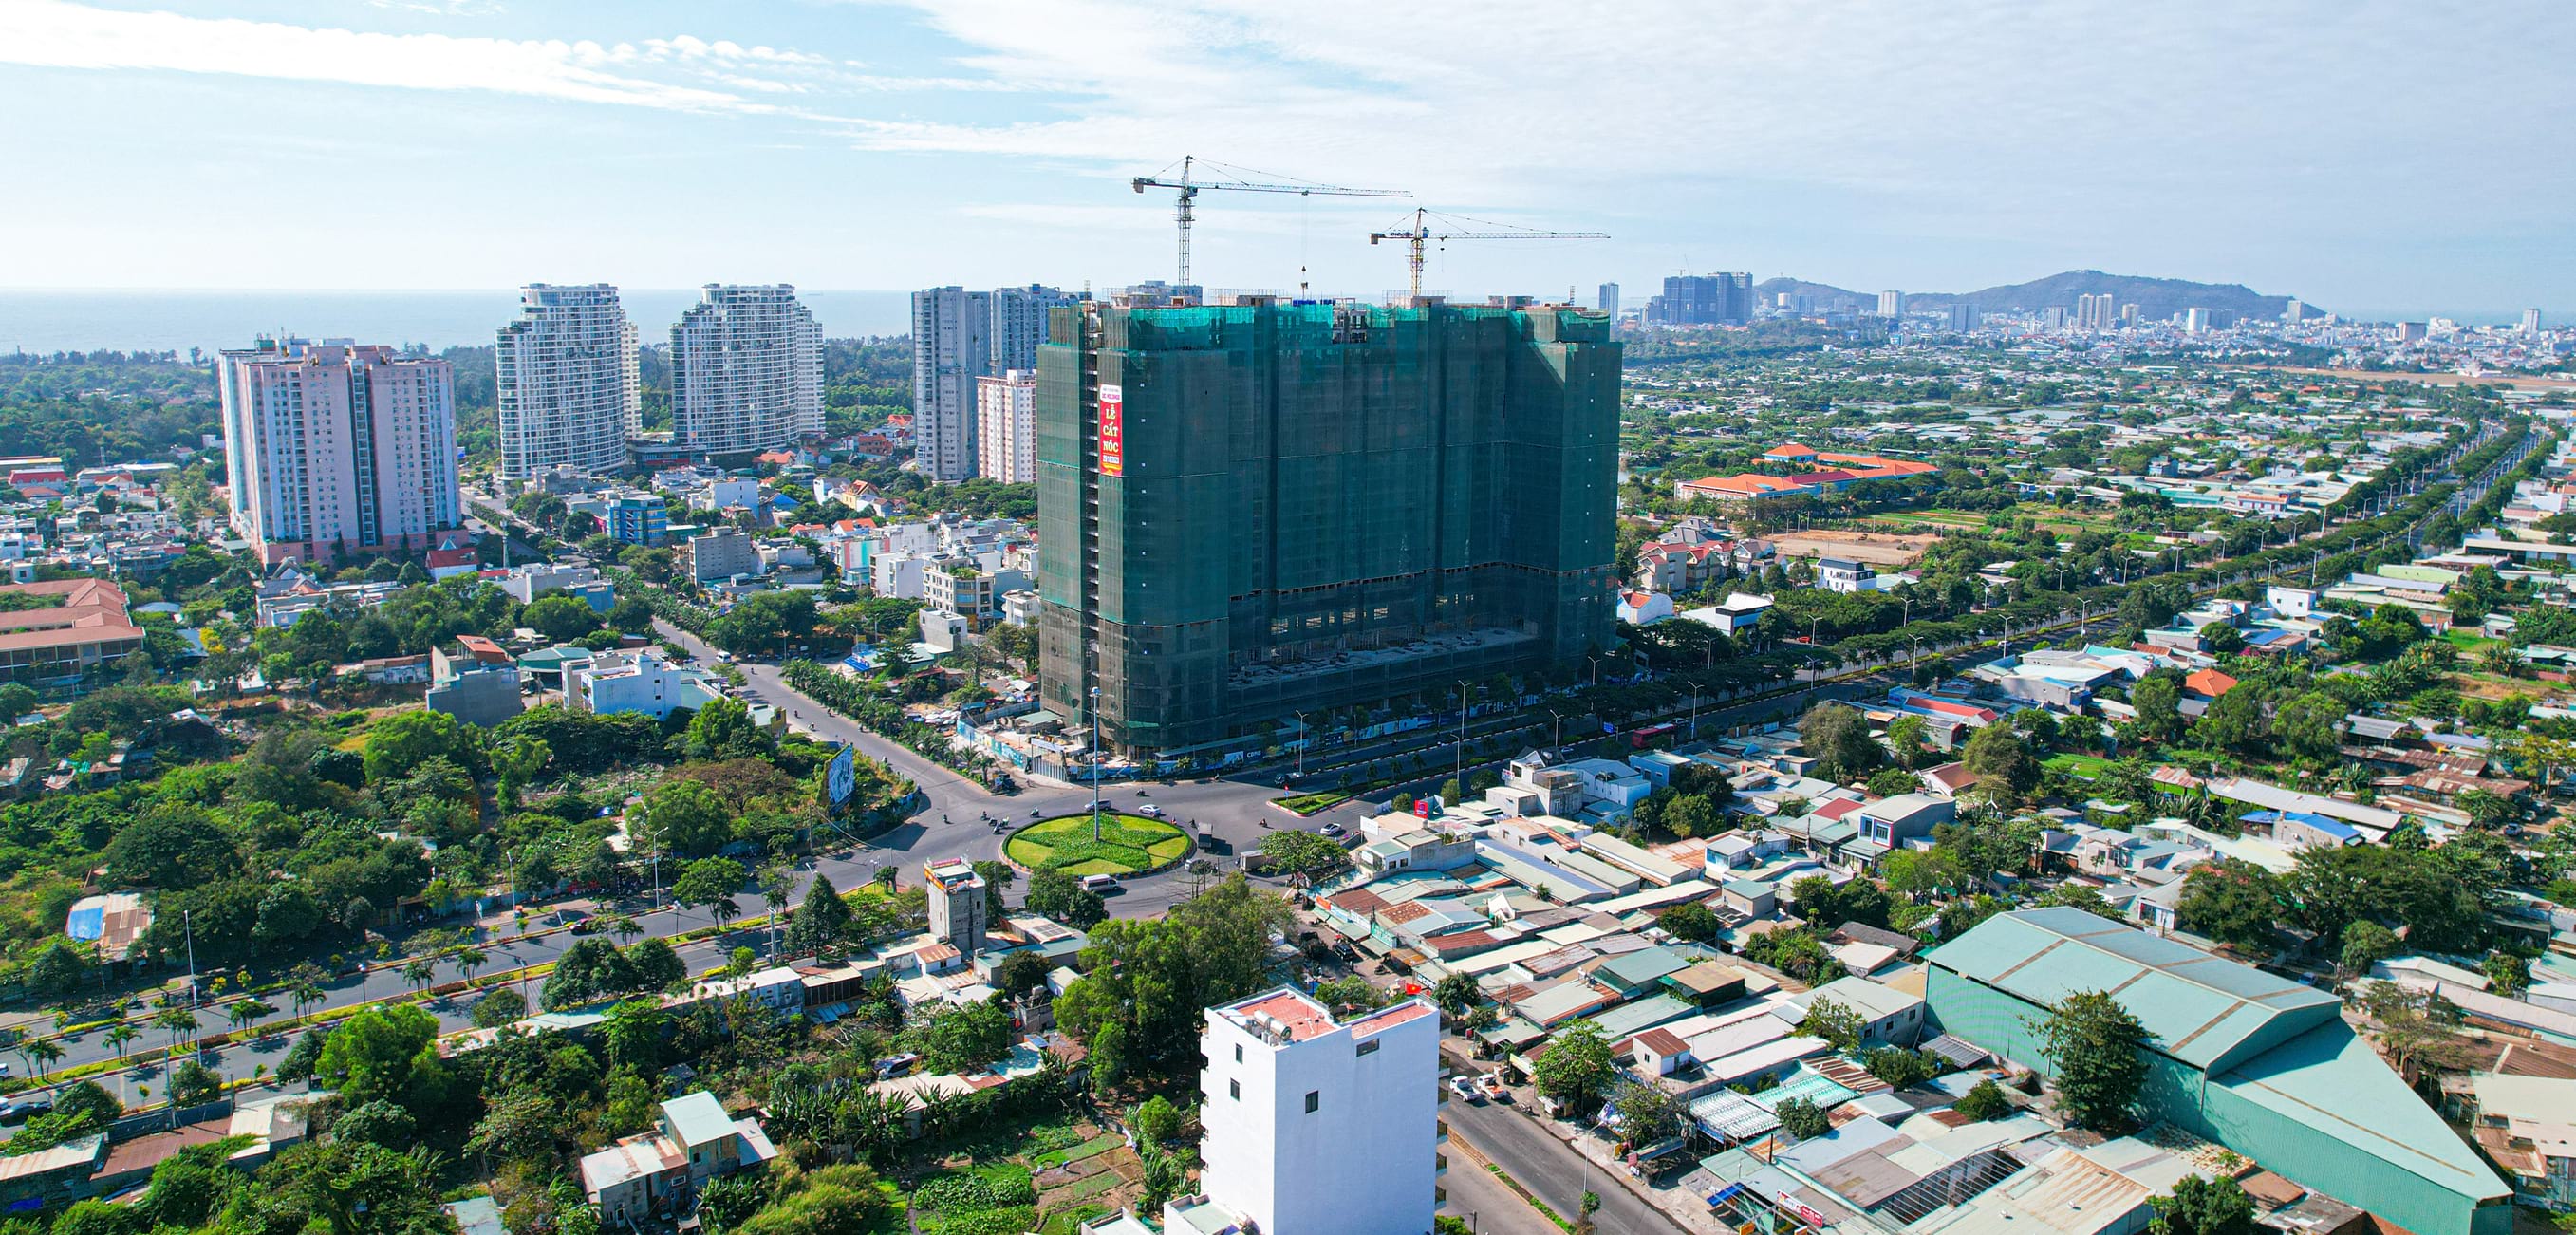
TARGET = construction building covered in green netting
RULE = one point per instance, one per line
(1254, 510)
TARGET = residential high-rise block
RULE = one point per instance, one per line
(746, 370)
(1316, 1126)
(2129, 314)
(2095, 312)
(951, 347)
(566, 383)
(1609, 300)
(1020, 325)
(1254, 509)
(2195, 321)
(1963, 316)
(1891, 304)
(334, 449)
(2293, 311)
(1006, 427)
(2530, 323)
(1724, 298)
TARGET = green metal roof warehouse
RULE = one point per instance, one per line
(2264, 1066)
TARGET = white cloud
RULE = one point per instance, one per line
(56, 34)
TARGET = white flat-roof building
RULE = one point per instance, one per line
(638, 681)
(1319, 1127)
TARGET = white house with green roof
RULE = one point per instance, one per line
(2260, 1064)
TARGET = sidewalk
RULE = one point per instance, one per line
(1676, 1203)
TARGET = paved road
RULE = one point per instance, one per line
(1488, 1207)
(1548, 1167)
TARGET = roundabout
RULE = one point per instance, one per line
(1128, 845)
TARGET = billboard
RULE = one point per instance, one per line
(842, 777)
(1113, 430)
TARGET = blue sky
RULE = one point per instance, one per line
(2389, 157)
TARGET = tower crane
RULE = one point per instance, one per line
(1233, 180)
(1420, 234)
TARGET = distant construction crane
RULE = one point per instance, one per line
(1235, 180)
(1420, 234)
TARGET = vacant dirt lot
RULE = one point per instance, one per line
(1875, 548)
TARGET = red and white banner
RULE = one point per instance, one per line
(1113, 431)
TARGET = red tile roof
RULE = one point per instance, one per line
(1662, 1042)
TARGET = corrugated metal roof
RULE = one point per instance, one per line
(2198, 1006)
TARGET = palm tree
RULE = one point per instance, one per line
(625, 928)
(43, 1054)
(307, 993)
(118, 1035)
(470, 958)
(420, 972)
(177, 1021)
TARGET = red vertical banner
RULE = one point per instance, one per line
(1113, 431)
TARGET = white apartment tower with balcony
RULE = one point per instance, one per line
(746, 370)
(1317, 1126)
(952, 346)
(335, 449)
(566, 381)
(1006, 427)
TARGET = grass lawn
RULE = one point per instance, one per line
(1311, 803)
(2467, 642)
(2087, 766)
(1127, 844)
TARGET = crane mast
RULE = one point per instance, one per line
(1420, 234)
(1186, 190)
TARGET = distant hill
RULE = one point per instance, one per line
(2156, 299)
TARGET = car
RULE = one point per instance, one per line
(1149, 810)
(1099, 883)
(1330, 829)
(1035, 812)
(1465, 1089)
(1494, 1087)
(585, 924)
(25, 1109)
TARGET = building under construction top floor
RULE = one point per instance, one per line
(1251, 510)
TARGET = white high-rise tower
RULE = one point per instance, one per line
(952, 345)
(746, 370)
(565, 381)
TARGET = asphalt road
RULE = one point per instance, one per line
(1550, 1169)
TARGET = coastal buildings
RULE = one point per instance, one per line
(1725, 298)
(1251, 509)
(1006, 426)
(565, 381)
(960, 339)
(746, 370)
(951, 347)
(1318, 1126)
(336, 449)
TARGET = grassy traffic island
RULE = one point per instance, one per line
(1128, 845)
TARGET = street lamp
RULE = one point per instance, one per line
(1095, 765)
(1301, 745)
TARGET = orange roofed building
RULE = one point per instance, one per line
(86, 627)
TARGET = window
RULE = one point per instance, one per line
(1238, 1052)
(1234, 1089)
(1314, 1100)
(1369, 1047)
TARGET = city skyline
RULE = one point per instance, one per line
(988, 145)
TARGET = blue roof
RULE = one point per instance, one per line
(88, 923)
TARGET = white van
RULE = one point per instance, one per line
(1099, 883)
